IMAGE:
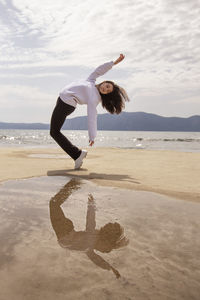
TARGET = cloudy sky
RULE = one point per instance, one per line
(46, 44)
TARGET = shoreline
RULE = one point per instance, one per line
(166, 172)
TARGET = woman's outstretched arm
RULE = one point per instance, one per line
(90, 219)
(102, 263)
(120, 58)
(102, 69)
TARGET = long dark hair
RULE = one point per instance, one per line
(111, 236)
(114, 102)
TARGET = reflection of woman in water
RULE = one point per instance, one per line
(105, 239)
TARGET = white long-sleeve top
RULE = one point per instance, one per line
(85, 92)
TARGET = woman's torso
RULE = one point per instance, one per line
(81, 92)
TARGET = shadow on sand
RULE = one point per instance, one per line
(102, 176)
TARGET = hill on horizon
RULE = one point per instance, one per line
(126, 121)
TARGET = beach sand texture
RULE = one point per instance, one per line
(167, 172)
(158, 261)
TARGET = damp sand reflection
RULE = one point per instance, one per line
(107, 238)
(161, 260)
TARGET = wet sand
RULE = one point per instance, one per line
(170, 173)
(158, 261)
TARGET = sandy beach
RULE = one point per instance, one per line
(166, 172)
(125, 226)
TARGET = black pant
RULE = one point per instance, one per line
(61, 111)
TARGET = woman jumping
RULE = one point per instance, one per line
(111, 96)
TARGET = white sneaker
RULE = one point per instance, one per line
(79, 160)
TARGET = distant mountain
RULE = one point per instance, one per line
(23, 126)
(138, 121)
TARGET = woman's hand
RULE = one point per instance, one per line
(117, 274)
(120, 58)
(91, 143)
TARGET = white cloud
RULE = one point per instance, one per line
(18, 94)
(161, 40)
(24, 104)
(36, 75)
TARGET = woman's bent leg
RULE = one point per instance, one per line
(61, 111)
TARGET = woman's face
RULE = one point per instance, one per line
(105, 87)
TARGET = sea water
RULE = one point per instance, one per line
(152, 140)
